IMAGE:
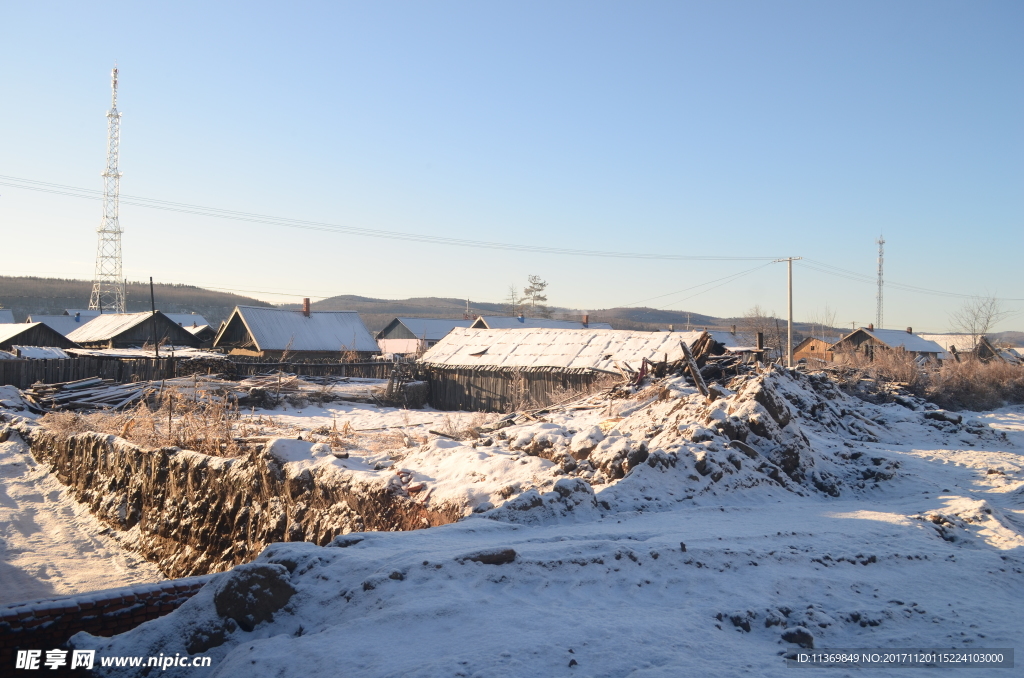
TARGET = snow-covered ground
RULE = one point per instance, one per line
(49, 543)
(835, 522)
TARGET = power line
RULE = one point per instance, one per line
(199, 210)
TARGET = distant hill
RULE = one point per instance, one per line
(50, 296)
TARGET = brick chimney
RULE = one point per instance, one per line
(910, 330)
(871, 327)
(586, 319)
(305, 307)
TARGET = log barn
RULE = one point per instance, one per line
(31, 334)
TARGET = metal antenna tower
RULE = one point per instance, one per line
(878, 299)
(107, 286)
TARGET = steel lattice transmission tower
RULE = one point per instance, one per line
(878, 299)
(108, 285)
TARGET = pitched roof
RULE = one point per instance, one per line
(65, 324)
(83, 312)
(6, 316)
(498, 322)
(275, 329)
(186, 320)
(10, 330)
(902, 339)
(107, 325)
(545, 347)
(32, 334)
(431, 329)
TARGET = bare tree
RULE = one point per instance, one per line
(823, 322)
(977, 317)
(534, 294)
(513, 301)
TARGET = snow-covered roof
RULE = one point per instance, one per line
(83, 312)
(107, 325)
(39, 352)
(905, 340)
(197, 329)
(432, 329)
(10, 330)
(187, 320)
(498, 322)
(6, 316)
(4, 355)
(963, 343)
(275, 329)
(544, 347)
(64, 324)
(178, 351)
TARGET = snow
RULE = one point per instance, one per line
(165, 351)
(49, 543)
(568, 349)
(40, 352)
(890, 530)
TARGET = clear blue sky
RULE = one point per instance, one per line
(715, 128)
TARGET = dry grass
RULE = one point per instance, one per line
(210, 425)
(965, 385)
(973, 385)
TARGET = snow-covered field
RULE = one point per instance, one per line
(835, 522)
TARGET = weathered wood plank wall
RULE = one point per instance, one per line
(485, 390)
(24, 373)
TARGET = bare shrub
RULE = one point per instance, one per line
(974, 385)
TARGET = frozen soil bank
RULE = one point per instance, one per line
(672, 536)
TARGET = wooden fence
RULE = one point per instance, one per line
(24, 373)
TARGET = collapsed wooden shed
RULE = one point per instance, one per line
(132, 330)
(497, 370)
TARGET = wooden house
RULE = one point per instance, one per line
(492, 370)
(411, 336)
(132, 330)
(274, 333)
(31, 334)
(867, 341)
(815, 350)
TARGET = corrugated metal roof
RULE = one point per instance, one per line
(275, 329)
(64, 324)
(904, 339)
(544, 347)
(6, 316)
(432, 329)
(504, 322)
(186, 320)
(107, 325)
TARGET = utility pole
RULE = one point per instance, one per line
(152, 305)
(878, 298)
(789, 342)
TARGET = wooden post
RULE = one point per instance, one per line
(152, 304)
(694, 372)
